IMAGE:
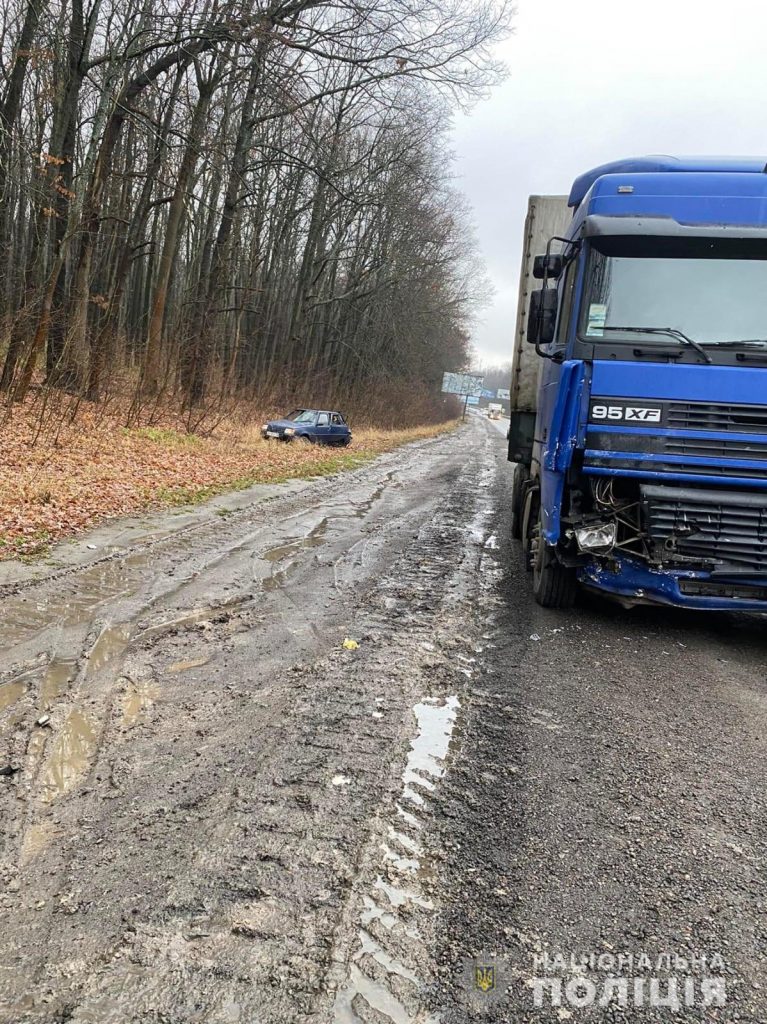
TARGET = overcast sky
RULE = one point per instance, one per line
(597, 80)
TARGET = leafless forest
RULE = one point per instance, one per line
(203, 202)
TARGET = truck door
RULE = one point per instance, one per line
(548, 394)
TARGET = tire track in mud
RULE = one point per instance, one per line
(80, 623)
(221, 858)
(38, 613)
(387, 970)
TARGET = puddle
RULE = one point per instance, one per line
(373, 912)
(275, 581)
(76, 600)
(11, 692)
(436, 721)
(36, 746)
(390, 965)
(191, 618)
(70, 756)
(377, 995)
(313, 539)
(399, 896)
(404, 840)
(184, 666)
(436, 718)
(359, 509)
(111, 643)
(408, 817)
(136, 699)
(282, 552)
(362, 509)
(57, 678)
(402, 864)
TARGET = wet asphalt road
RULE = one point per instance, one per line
(231, 816)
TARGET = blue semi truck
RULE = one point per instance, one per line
(639, 386)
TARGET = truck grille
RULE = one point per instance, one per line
(725, 448)
(716, 416)
(712, 526)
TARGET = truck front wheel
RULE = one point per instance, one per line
(554, 584)
(518, 477)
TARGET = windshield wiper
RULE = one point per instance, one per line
(670, 332)
(749, 342)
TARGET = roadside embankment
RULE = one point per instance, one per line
(62, 478)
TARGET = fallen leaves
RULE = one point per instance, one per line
(92, 468)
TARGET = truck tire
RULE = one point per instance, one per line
(519, 477)
(554, 584)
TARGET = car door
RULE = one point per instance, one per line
(338, 428)
(322, 430)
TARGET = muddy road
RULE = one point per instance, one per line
(312, 755)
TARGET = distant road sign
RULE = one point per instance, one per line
(503, 393)
(472, 400)
(487, 394)
(463, 384)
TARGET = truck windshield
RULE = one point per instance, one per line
(712, 300)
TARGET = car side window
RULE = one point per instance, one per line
(337, 419)
(322, 419)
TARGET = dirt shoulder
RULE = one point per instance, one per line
(217, 809)
(72, 473)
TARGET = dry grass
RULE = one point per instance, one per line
(79, 473)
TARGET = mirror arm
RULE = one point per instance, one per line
(555, 357)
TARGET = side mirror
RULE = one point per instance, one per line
(548, 266)
(542, 319)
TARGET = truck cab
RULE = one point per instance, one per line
(641, 472)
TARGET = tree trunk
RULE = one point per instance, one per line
(172, 227)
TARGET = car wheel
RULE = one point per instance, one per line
(305, 439)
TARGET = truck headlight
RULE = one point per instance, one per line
(289, 431)
(597, 539)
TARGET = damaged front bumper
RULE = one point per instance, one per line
(632, 582)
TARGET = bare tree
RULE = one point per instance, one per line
(203, 202)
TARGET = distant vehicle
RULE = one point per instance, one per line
(311, 426)
(494, 411)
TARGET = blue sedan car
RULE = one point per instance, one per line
(312, 426)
